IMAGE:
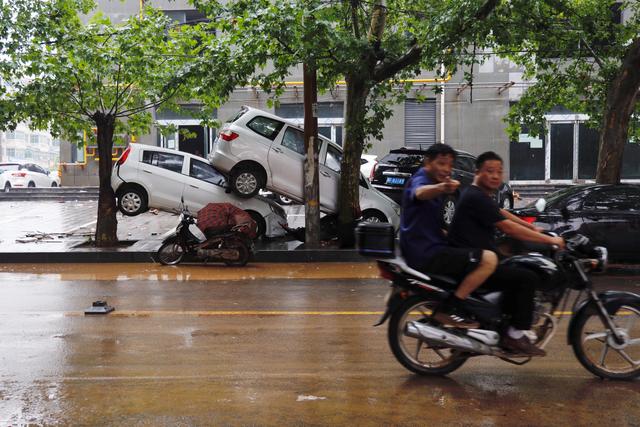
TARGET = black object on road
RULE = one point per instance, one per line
(99, 307)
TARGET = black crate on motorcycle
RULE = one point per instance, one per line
(376, 239)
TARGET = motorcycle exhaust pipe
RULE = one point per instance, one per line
(437, 336)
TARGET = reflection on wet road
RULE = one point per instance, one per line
(277, 352)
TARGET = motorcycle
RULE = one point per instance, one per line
(604, 328)
(231, 246)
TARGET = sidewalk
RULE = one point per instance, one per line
(57, 232)
(62, 228)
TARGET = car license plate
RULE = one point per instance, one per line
(395, 180)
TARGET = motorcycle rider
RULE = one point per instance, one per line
(474, 225)
(423, 242)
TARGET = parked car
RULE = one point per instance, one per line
(152, 177)
(260, 150)
(21, 175)
(609, 215)
(393, 171)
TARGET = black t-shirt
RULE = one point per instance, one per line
(474, 222)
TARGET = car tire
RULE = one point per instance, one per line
(246, 181)
(7, 186)
(54, 184)
(260, 222)
(132, 201)
(282, 200)
(448, 210)
(373, 215)
(31, 184)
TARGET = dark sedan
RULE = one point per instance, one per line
(608, 214)
(392, 172)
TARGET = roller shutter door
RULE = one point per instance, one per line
(419, 122)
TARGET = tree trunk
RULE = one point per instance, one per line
(621, 102)
(107, 225)
(349, 197)
(311, 178)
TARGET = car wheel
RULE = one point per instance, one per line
(132, 201)
(448, 210)
(246, 181)
(31, 184)
(7, 186)
(54, 184)
(372, 215)
(283, 200)
(260, 222)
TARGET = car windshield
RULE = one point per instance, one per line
(554, 200)
(9, 167)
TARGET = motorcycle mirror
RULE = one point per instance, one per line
(540, 205)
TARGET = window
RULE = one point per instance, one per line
(34, 139)
(293, 139)
(17, 135)
(11, 152)
(169, 161)
(206, 172)
(467, 164)
(28, 154)
(266, 127)
(334, 157)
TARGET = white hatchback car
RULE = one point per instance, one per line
(153, 177)
(21, 175)
(260, 150)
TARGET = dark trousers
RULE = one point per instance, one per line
(518, 285)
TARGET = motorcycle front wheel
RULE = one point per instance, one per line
(243, 251)
(415, 354)
(597, 350)
(171, 252)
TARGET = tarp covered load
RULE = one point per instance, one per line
(220, 217)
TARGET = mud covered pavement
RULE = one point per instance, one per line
(265, 345)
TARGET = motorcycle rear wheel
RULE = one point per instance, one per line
(595, 348)
(243, 251)
(171, 252)
(414, 354)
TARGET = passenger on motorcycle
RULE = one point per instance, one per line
(423, 241)
(474, 225)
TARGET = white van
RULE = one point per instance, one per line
(260, 150)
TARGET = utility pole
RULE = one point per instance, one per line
(311, 178)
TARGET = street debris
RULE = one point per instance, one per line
(303, 398)
(99, 307)
(41, 237)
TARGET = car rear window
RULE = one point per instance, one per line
(403, 159)
(269, 128)
(169, 161)
(9, 168)
(239, 114)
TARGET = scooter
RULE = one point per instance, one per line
(230, 246)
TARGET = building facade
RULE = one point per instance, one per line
(24, 145)
(470, 118)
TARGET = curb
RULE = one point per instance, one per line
(267, 256)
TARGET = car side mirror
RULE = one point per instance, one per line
(540, 205)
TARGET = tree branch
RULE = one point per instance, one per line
(384, 71)
(354, 18)
(132, 111)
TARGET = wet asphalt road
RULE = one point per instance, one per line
(195, 346)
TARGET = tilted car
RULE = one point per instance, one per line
(260, 150)
(609, 215)
(24, 175)
(392, 172)
(152, 177)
